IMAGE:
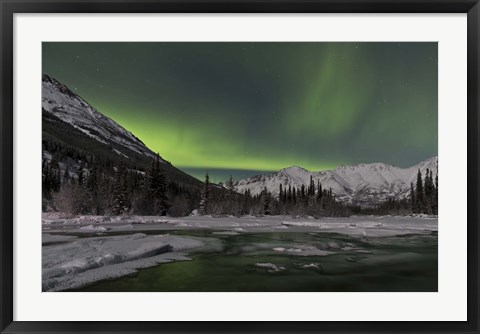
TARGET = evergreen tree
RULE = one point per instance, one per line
(303, 195)
(80, 173)
(413, 203)
(280, 194)
(419, 194)
(265, 198)
(311, 188)
(92, 181)
(435, 202)
(157, 188)
(66, 176)
(120, 205)
(319, 192)
(230, 184)
(205, 196)
(92, 186)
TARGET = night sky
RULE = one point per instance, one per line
(243, 107)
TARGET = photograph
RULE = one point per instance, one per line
(239, 166)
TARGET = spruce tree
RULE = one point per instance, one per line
(435, 202)
(157, 188)
(413, 203)
(426, 192)
(419, 193)
(92, 186)
(66, 176)
(80, 174)
(311, 188)
(205, 196)
(319, 192)
(302, 194)
(120, 190)
(265, 199)
(231, 194)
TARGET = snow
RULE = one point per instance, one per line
(270, 267)
(70, 261)
(91, 228)
(51, 238)
(303, 250)
(369, 227)
(362, 183)
(311, 265)
(87, 260)
(119, 153)
(61, 102)
(361, 226)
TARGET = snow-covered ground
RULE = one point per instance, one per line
(87, 260)
(82, 250)
(364, 226)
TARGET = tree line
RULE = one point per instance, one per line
(421, 199)
(310, 200)
(115, 188)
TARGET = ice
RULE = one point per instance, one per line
(307, 250)
(69, 265)
(270, 267)
(49, 238)
(370, 227)
(226, 233)
(70, 262)
(91, 228)
(122, 227)
(360, 226)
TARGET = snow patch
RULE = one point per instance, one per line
(91, 228)
(270, 267)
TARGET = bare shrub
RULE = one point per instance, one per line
(71, 200)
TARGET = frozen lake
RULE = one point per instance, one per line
(240, 254)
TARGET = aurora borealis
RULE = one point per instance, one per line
(262, 106)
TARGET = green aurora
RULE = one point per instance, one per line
(262, 106)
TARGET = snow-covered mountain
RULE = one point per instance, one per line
(75, 130)
(59, 101)
(359, 184)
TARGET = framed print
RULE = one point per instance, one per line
(258, 166)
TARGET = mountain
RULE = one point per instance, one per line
(69, 122)
(59, 101)
(361, 184)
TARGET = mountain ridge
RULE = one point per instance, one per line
(69, 121)
(63, 103)
(363, 183)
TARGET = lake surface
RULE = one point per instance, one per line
(274, 262)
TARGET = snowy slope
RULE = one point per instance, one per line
(362, 183)
(59, 101)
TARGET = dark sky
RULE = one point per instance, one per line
(262, 106)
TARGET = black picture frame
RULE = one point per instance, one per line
(9, 7)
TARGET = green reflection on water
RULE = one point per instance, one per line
(406, 263)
